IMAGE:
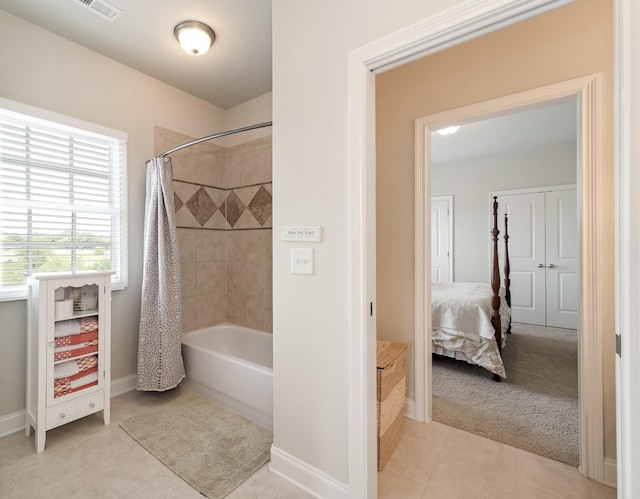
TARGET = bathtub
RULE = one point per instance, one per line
(232, 365)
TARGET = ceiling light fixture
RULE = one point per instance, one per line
(194, 37)
(449, 130)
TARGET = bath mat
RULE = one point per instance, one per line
(210, 447)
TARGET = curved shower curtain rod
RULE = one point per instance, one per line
(215, 136)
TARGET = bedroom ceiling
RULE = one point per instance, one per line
(543, 125)
(236, 69)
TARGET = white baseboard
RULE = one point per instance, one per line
(11, 423)
(308, 478)
(14, 422)
(410, 408)
(123, 385)
(610, 472)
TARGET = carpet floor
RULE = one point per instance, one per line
(211, 448)
(535, 408)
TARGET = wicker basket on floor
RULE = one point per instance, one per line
(391, 392)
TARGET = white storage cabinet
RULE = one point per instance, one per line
(68, 350)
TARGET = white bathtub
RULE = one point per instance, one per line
(232, 365)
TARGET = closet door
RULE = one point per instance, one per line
(562, 259)
(526, 255)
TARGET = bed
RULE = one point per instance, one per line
(470, 321)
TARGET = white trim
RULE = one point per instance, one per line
(410, 409)
(306, 477)
(590, 363)
(362, 346)
(627, 196)
(610, 472)
(465, 21)
(62, 119)
(123, 385)
(12, 423)
(422, 276)
(446, 28)
(56, 121)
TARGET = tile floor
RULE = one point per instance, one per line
(440, 462)
(87, 459)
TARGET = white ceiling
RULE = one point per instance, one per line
(238, 66)
(236, 69)
(548, 124)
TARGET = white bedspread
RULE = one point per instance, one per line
(465, 308)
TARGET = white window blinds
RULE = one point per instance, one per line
(62, 201)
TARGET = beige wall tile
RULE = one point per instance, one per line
(188, 278)
(189, 313)
(187, 239)
(226, 274)
(247, 169)
(246, 221)
(185, 219)
(246, 193)
(183, 190)
(255, 309)
(236, 310)
(210, 278)
(210, 168)
(218, 195)
(211, 309)
(184, 165)
(217, 221)
(210, 246)
(268, 245)
(244, 278)
(246, 246)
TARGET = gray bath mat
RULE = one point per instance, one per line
(211, 448)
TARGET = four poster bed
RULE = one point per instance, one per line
(470, 321)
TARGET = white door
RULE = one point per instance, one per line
(543, 252)
(441, 234)
(526, 255)
(562, 259)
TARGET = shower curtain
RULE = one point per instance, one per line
(160, 365)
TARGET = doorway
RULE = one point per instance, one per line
(590, 403)
(521, 151)
(363, 63)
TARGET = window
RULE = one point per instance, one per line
(62, 197)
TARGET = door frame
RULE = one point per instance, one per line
(445, 29)
(586, 89)
(627, 195)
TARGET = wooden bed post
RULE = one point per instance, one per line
(495, 278)
(507, 267)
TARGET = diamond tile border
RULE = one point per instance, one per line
(201, 206)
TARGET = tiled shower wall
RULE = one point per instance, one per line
(223, 213)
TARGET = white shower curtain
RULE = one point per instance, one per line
(160, 365)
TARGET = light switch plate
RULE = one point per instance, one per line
(302, 261)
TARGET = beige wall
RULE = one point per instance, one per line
(553, 165)
(569, 42)
(223, 215)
